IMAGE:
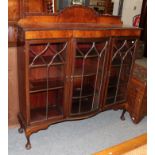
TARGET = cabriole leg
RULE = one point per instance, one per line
(21, 129)
(122, 116)
(28, 144)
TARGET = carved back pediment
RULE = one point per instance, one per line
(74, 14)
(77, 13)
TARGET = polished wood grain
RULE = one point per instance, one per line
(13, 10)
(126, 146)
(77, 33)
(32, 7)
(13, 102)
(13, 17)
(137, 94)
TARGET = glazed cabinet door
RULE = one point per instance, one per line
(46, 79)
(87, 77)
(120, 67)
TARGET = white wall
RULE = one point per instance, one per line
(130, 9)
(116, 5)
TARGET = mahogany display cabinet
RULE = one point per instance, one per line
(72, 66)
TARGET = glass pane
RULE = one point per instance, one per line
(76, 87)
(121, 89)
(120, 99)
(114, 75)
(88, 75)
(110, 100)
(86, 104)
(86, 89)
(55, 102)
(46, 79)
(88, 85)
(111, 91)
(75, 106)
(125, 73)
(38, 106)
(56, 74)
(120, 70)
(37, 79)
(116, 61)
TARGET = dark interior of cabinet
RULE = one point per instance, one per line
(120, 68)
(87, 76)
(46, 79)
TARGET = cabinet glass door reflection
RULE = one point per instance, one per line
(87, 77)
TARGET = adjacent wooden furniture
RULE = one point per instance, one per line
(137, 94)
(135, 146)
(72, 66)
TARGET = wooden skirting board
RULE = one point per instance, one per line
(128, 147)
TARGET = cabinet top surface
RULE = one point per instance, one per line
(72, 26)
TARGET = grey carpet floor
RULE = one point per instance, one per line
(82, 137)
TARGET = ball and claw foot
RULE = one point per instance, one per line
(122, 116)
(28, 146)
(20, 130)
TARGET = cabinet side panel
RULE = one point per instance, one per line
(21, 81)
(137, 100)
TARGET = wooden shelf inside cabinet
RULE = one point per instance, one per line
(39, 114)
(86, 74)
(83, 93)
(89, 56)
(81, 106)
(111, 101)
(44, 85)
(118, 65)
